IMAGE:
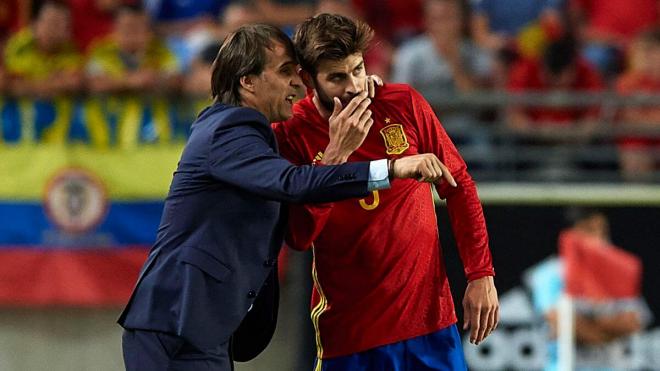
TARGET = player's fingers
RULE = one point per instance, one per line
(497, 317)
(371, 87)
(368, 124)
(492, 315)
(354, 103)
(366, 115)
(361, 108)
(484, 325)
(475, 322)
(466, 315)
(337, 107)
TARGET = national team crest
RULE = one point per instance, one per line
(395, 139)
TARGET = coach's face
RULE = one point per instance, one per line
(278, 86)
(343, 79)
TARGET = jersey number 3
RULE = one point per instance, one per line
(373, 204)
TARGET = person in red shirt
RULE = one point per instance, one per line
(637, 160)
(93, 19)
(607, 27)
(380, 285)
(560, 69)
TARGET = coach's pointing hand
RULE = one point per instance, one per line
(423, 167)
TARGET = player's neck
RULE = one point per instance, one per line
(324, 113)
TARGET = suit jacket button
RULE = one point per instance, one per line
(252, 294)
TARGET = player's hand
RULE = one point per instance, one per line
(425, 167)
(372, 82)
(349, 127)
(481, 309)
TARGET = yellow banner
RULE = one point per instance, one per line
(141, 173)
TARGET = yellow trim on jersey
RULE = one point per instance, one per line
(317, 311)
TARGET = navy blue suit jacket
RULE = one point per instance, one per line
(222, 229)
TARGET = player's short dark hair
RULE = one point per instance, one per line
(243, 53)
(330, 37)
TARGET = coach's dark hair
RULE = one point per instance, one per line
(331, 37)
(243, 53)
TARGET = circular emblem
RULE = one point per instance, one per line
(75, 200)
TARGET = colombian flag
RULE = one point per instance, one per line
(76, 223)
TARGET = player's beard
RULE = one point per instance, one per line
(327, 101)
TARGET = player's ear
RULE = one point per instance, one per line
(306, 78)
(247, 83)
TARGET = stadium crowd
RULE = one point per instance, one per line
(118, 73)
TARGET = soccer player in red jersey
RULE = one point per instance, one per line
(381, 299)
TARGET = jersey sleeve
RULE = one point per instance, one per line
(306, 222)
(463, 205)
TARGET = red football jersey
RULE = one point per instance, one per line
(597, 270)
(379, 275)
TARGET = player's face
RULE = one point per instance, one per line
(278, 86)
(343, 79)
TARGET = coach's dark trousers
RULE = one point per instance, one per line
(159, 351)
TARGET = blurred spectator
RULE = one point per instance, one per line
(237, 14)
(560, 70)
(42, 60)
(132, 59)
(596, 325)
(496, 24)
(14, 15)
(606, 27)
(139, 70)
(379, 56)
(181, 16)
(187, 25)
(197, 84)
(92, 19)
(284, 13)
(3, 81)
(441, 63)
(393, 20)
(442, 60)
(639, 156)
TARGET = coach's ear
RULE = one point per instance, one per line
(247, 83)
(306, 78)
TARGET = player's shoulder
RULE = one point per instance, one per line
(395, 91)
(401, 95)
(303, 114)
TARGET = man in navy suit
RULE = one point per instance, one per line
(208, 292)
